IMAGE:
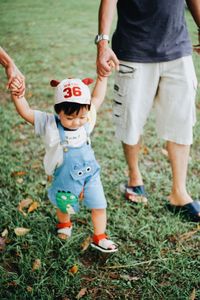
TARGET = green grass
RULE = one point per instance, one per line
(54, 39)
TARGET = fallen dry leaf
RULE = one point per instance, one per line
(36, 165)
(145, 150)
(114, 275)
(36, 264)
(164, 152)
(20, 180)
(74, 269)
(81, 293)
(85, 244)
(12, 283)
(187, 235)
(18, 173)
(29, 289)
(2, 243)
(81, 221)
(22, 136)
(24, 204)
(33, 206)
(4, 233)
(20, 231)
(129, 278)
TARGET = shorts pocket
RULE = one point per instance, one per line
(123, 81)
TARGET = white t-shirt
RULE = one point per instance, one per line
(46, 127)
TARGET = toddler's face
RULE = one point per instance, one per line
(74, 121)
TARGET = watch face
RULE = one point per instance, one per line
(96, 39)
(100, 37)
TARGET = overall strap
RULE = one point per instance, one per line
(87, 129)
(61, 130)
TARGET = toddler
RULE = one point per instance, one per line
(69, 156)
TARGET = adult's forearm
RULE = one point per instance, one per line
(5, 59)
(106, 13)
(194, 7)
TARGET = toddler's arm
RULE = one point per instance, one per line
(21, 104)
(99, 91)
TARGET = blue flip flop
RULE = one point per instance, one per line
(137, 193)
(190, 211)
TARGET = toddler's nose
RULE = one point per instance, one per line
(77, 121)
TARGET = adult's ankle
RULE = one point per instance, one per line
(179, 197)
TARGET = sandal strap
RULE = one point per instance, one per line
(99, 237)
(135, 190)
(64, 225)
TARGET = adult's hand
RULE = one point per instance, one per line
(12, 72)
(196, 48)
(105, 56)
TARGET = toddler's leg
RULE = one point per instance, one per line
(100, 240)
(99, 220)
(62, 217)
(64, 226)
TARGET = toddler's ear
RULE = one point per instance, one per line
(87, 81)
(54, 83)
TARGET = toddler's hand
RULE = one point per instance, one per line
(111, 64)
(15, 86)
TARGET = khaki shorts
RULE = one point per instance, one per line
(169, 87)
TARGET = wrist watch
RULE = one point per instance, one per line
(100, 37)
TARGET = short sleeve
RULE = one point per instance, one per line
(41, 120)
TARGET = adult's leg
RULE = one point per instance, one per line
(175, 106)
(132, 105)
(131, 153)
(178, 155)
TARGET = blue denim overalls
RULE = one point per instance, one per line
(79, 171)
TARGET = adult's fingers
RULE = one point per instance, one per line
(196, 48)
(19, 93)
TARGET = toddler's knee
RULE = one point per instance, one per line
(98, 210)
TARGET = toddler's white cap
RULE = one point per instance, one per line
(72, 90)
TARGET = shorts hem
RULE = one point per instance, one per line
(176, 140)
(127, 141)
